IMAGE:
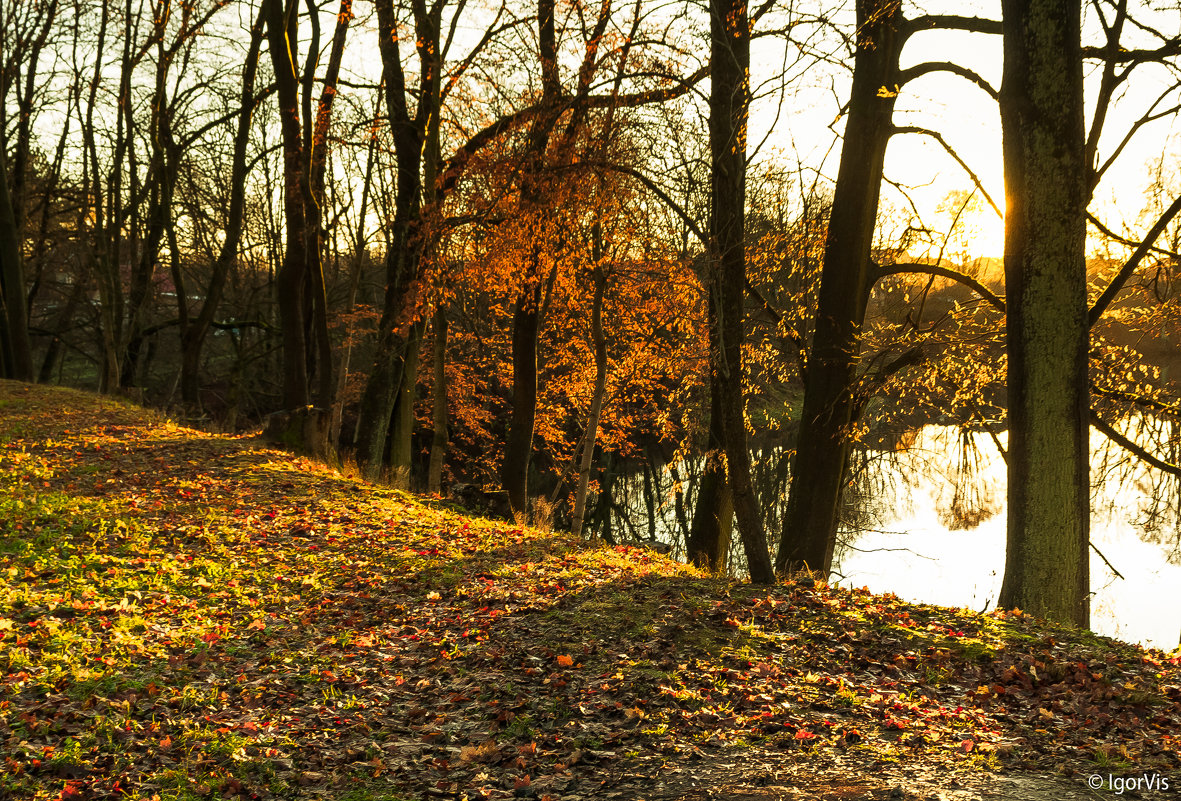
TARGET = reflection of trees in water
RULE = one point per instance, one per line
(646, 499)
(972, 497)
(652, 498)
(872, 493)
(1158, 518)
(1161, 511)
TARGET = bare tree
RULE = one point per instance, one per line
(300, 285)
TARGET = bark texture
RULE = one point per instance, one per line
(392, 378)
(599, 341)
(829, 408)
(713, 516)
(728, 114)
(1047, 560)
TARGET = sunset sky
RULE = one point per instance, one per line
(969, 121)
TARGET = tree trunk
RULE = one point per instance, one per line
(14, 326)
(728, 114)
(377, 402)
(432, 163)
(519, 444)
(599, 341)
(605, 502)
(527, 317)
(50, 362)
(316, 131)
(291, 280)
(161, 177)
(193, 335)
(392, 366)
(679, 504)
(103, 207)
(1047, 559)
(829, 410)
(713, 516)
(401, 444)
(438, 402)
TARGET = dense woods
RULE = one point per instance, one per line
(541, 257)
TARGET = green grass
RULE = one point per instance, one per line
(197, 616)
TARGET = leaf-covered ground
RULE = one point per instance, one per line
(192, 616)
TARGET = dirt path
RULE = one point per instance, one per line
(759, 775)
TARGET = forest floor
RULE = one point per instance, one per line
(193, 616)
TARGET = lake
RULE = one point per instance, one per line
(916, 554)
(920, 540)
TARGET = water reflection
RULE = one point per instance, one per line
(938, 533)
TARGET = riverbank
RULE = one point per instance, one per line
(192, 616)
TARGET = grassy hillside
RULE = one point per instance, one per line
(191, 616)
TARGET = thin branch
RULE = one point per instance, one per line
(457, 72)
(1107, 562)
(1137, 400)
(1107, 82)
(1148, 117)
(1129, 267)
(996, 440)
(1130, 446)
(1110, 234)
(801, 352)
(870, 383)
(938, 137)
(928, 67)
(994, 300)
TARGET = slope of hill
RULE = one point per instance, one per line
(192, 616)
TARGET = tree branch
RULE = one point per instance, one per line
(938, 137)
(994, 300)
(458, 163)
(1110, 234)
(927, 67)
(1132, 447)
(652, 187)
(801, 348)
(1125, 272)
(1137, 400)
(1148, 117)
(950, 22)
(1170, 48)
(1110, 566)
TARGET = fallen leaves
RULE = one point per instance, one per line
(217, 619)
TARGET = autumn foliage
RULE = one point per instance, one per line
(186, 615)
